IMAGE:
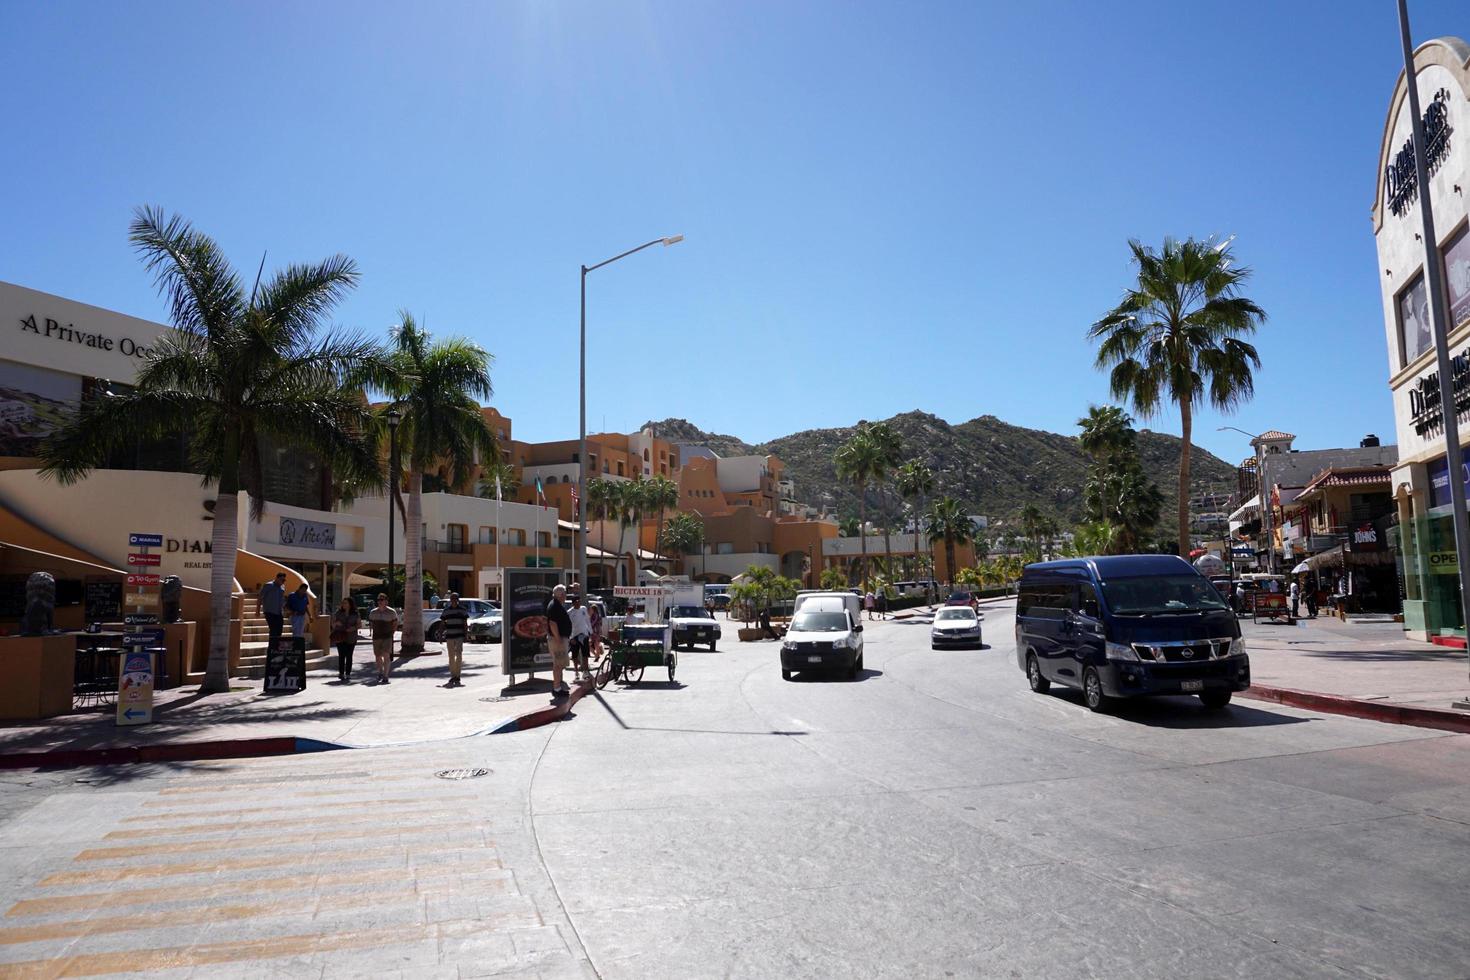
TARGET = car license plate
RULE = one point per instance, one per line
(1191, 685)
(813, 660)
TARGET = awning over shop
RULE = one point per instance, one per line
(1338, 556)
(1248, 511)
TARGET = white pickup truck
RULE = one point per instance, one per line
(692, 623)
(476, 608)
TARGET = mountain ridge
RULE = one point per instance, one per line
(991, 466)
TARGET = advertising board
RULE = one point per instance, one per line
(526, 592)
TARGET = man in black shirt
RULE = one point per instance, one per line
(558, 639)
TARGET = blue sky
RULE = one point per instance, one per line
(887, 206)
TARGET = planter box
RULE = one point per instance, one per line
(746, 635)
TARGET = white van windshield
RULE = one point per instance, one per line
(820, 622)
(1161, 594)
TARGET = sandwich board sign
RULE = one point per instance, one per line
(285, 666)
(135, 689)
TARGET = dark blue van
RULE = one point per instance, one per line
(1128, 625)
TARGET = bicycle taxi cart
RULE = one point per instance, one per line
(636, 647)
(639, 644)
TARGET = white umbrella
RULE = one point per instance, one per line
(1210, 565)
(1303, 567)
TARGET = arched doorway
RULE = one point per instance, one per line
(793, 565)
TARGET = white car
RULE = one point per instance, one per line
(474, 608)
(692, 624)
(486, 628)
(955, 626)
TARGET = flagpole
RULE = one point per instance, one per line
(498, 533)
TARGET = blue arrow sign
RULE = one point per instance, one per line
(133, 713)
(143, 540)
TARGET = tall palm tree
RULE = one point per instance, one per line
(627, 508)
(503, 470)
(1178, 336)
(1032, 522)
(914, 481)
(436, 386)
(240, 372)
(859, 461)
(849, 527)
(661, 494)
(890, 449)
(948, 522)
(833, 579)
(684, 534)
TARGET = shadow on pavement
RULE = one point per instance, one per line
(834, 676)
(613, 713)
(1441, 655)
(1184, 711)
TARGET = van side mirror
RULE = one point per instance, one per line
(857, 628)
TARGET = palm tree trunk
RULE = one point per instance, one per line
(413, 566)
(863, 531)
(224, 541)
(887, 541)
(1186, 421)
(658, 537)
(949, 558)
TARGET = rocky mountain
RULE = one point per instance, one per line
(991, 466)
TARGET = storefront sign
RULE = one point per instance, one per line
(1443, 562)
(141, 600)
(135, 690)
(307, 534)
(138, 539)
(141, 619)
(1363, 538)
(1439, 482)
(544, 562)
(139, 579)
(143, 638)
(641, 591)
(141, 560)
(527, 592)
(48, 329)
(1425, 409)
(1400, 180)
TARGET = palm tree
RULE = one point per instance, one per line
(914, 481)
(505, 471)
(849, 527)
(859, 461)
(635, 506)
(1178, 336)
(833, 579)
(436, 386)
(684, 534)
(661, 494)
(948, 522)
(890, 448)
(602, 505)
(240, 373)
(1032, 522)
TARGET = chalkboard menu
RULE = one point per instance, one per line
(103, 601)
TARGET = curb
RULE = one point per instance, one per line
(1442, 719)
(246, 748)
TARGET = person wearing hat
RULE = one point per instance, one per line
(454, 620)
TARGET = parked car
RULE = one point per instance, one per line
(486, 628)
(434, 630)
(955, 626)
(1125, 626)
(823, 636)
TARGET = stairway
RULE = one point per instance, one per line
(255, 638)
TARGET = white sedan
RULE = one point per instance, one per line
(955, 626)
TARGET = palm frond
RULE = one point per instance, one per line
(204, 294)
(101, 426)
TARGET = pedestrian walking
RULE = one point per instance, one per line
(870, 603)
(882, 603)
(345, 624)
(1239, 597)
(1311, 599)
(581, 634)
(272, 600)
(384, 621)
(453, 623)
(558, 639)
(595, 618)
(298, 604)
(1295, 594)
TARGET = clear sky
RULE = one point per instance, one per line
(887, 206)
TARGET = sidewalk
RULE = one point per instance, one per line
(1364, 668)
(413, 708)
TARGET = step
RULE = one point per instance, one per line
(255, 671)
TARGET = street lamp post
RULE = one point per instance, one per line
(1439, 325)
(582, 409)
(1261, 491)
(394, 417)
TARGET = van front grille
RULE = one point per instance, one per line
(1184, 652)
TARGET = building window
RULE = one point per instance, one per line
(1457, 274)
(724, 548)
(1414, 335)
(620, 468)
(455, 536)
(543, 538)
(577, 458)
(564, 541)
(487, 534)
(645, 455)
(515, 536)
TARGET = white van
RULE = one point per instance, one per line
(826, 634)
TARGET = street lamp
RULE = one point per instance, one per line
(1260, 492)
(394, 417)
(582, 410)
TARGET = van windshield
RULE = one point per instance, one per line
(689, 612)
(1161, 594)
(820, 622)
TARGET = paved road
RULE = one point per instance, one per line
(933, 818)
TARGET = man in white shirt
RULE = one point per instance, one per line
(581, 633)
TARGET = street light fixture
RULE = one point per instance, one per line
(394, 417)
(582, 409)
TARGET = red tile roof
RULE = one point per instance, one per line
(1356, 476)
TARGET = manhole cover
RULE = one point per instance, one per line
(461, 773)
(493, 700)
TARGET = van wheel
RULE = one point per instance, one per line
(1214, 700)
(1034, 677)
(436, 632)
(785, 675)
(712, 647)
(1092, 691)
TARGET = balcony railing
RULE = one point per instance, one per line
(448, 547)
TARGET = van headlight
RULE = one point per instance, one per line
(842, 643)
(788, 647)
(1121, 651)
(1237, 647)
